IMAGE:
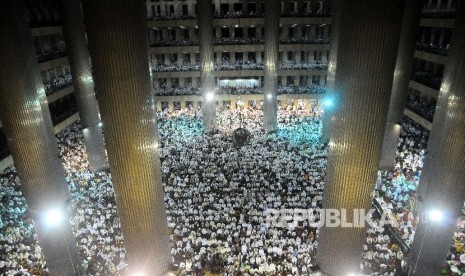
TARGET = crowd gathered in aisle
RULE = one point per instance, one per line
(216, 196)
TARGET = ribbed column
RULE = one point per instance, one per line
(40, 171)
(81, 69)
(442, 184)
(367, 48)
(118, 47)
(332, 67)
(401, 81)
(207, 77)
(270, 101)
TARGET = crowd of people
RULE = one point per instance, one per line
(249, 64)
(54, 53)
(421, 105)
(396, 189)
(168, 42)
(431, 48)
(303, 65)
(58, 83)
(238, 41)
(216, 196)
(20, 253)
(233, 14)
(456, 258)
(171, 17)
(426, 78)
(164, 90)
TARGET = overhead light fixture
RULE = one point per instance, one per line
(436, 215)
(209, 96)
(53, 217)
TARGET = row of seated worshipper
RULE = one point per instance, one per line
(396, 189)
(217, 194)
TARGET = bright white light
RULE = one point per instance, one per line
(209, 96)
(100, 124)
(54, 217)
(328, 103)
(435, 215)
(269, 96)
(138, 274)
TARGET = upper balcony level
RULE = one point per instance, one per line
(163, 10)
(43, 13)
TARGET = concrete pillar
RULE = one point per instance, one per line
(191, 10)
(298, 31)
(156, 83)
(449, 4)
(308, 105)
(182, 82)
(300, 7)
(192, 35)
(259, 32)
(270, 110)
(298, 56)
(183, 105)
(177, 33)
(41, 173)
(285, 32)
(233, 104)
(158, 106)
(195, 105)
(258, 57)
(232, 57)
(441, 37)
(195, 82)
(363, 82)
(118, 47)
(167, 59)
(83, 83)
(218, 32)
(295, 103)
(441, 184)
(207, 77)
(297, 80)
(400, 84)
(313, 31)
(170, 106)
